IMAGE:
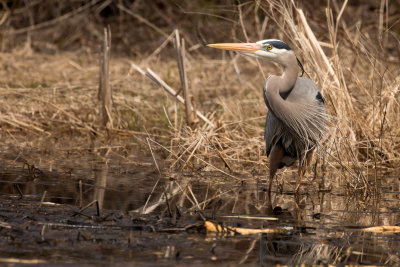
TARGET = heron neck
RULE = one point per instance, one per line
(289, 75)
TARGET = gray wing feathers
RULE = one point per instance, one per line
(304, 89)
(302, 121)
(275, 131)
(272, 131)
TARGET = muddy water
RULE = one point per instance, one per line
(142, 217)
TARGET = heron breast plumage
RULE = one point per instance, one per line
(304, 92)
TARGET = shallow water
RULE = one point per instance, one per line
(146, 218)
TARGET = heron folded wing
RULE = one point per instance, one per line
(300, 116)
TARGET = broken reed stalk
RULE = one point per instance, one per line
(105, 92)
(100, 185)
(180, 52)
(87, 206)
(158, 81)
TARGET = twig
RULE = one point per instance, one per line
(161, 46)
(242, 24)
(20, 124)
(157, 80)
(152, 154)
(223, 159)
(194, 197)
(249, 250)
(192, 153)
(43, 197)
(21, 195)
(5, 225)
(90, 204)
(183, 153)
(143, 20)
(5, 17)
(42, 232)
(151, 193)
(156, 203)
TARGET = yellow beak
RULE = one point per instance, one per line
(238, 47)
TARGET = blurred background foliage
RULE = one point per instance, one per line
(139, 26)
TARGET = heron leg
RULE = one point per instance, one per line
(275, 160)
(303, 167)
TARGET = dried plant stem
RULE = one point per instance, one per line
(316, 46)
(105, 92)
(148, 198)
(180, 52)
(152, 154)
(42, 200)
(157, 80)
(143, 20)
(101, 184)
(90, 204)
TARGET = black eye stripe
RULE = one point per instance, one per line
(278, 44)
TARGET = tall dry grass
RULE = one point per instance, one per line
(352, 59)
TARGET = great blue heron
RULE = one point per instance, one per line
(296, 117)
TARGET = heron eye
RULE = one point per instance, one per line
(269, 47)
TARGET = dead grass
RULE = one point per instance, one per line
(55, 95)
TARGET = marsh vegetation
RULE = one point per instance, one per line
(138, 186)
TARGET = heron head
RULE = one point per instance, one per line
(270, 49)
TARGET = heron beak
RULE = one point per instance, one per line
(250, 48)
